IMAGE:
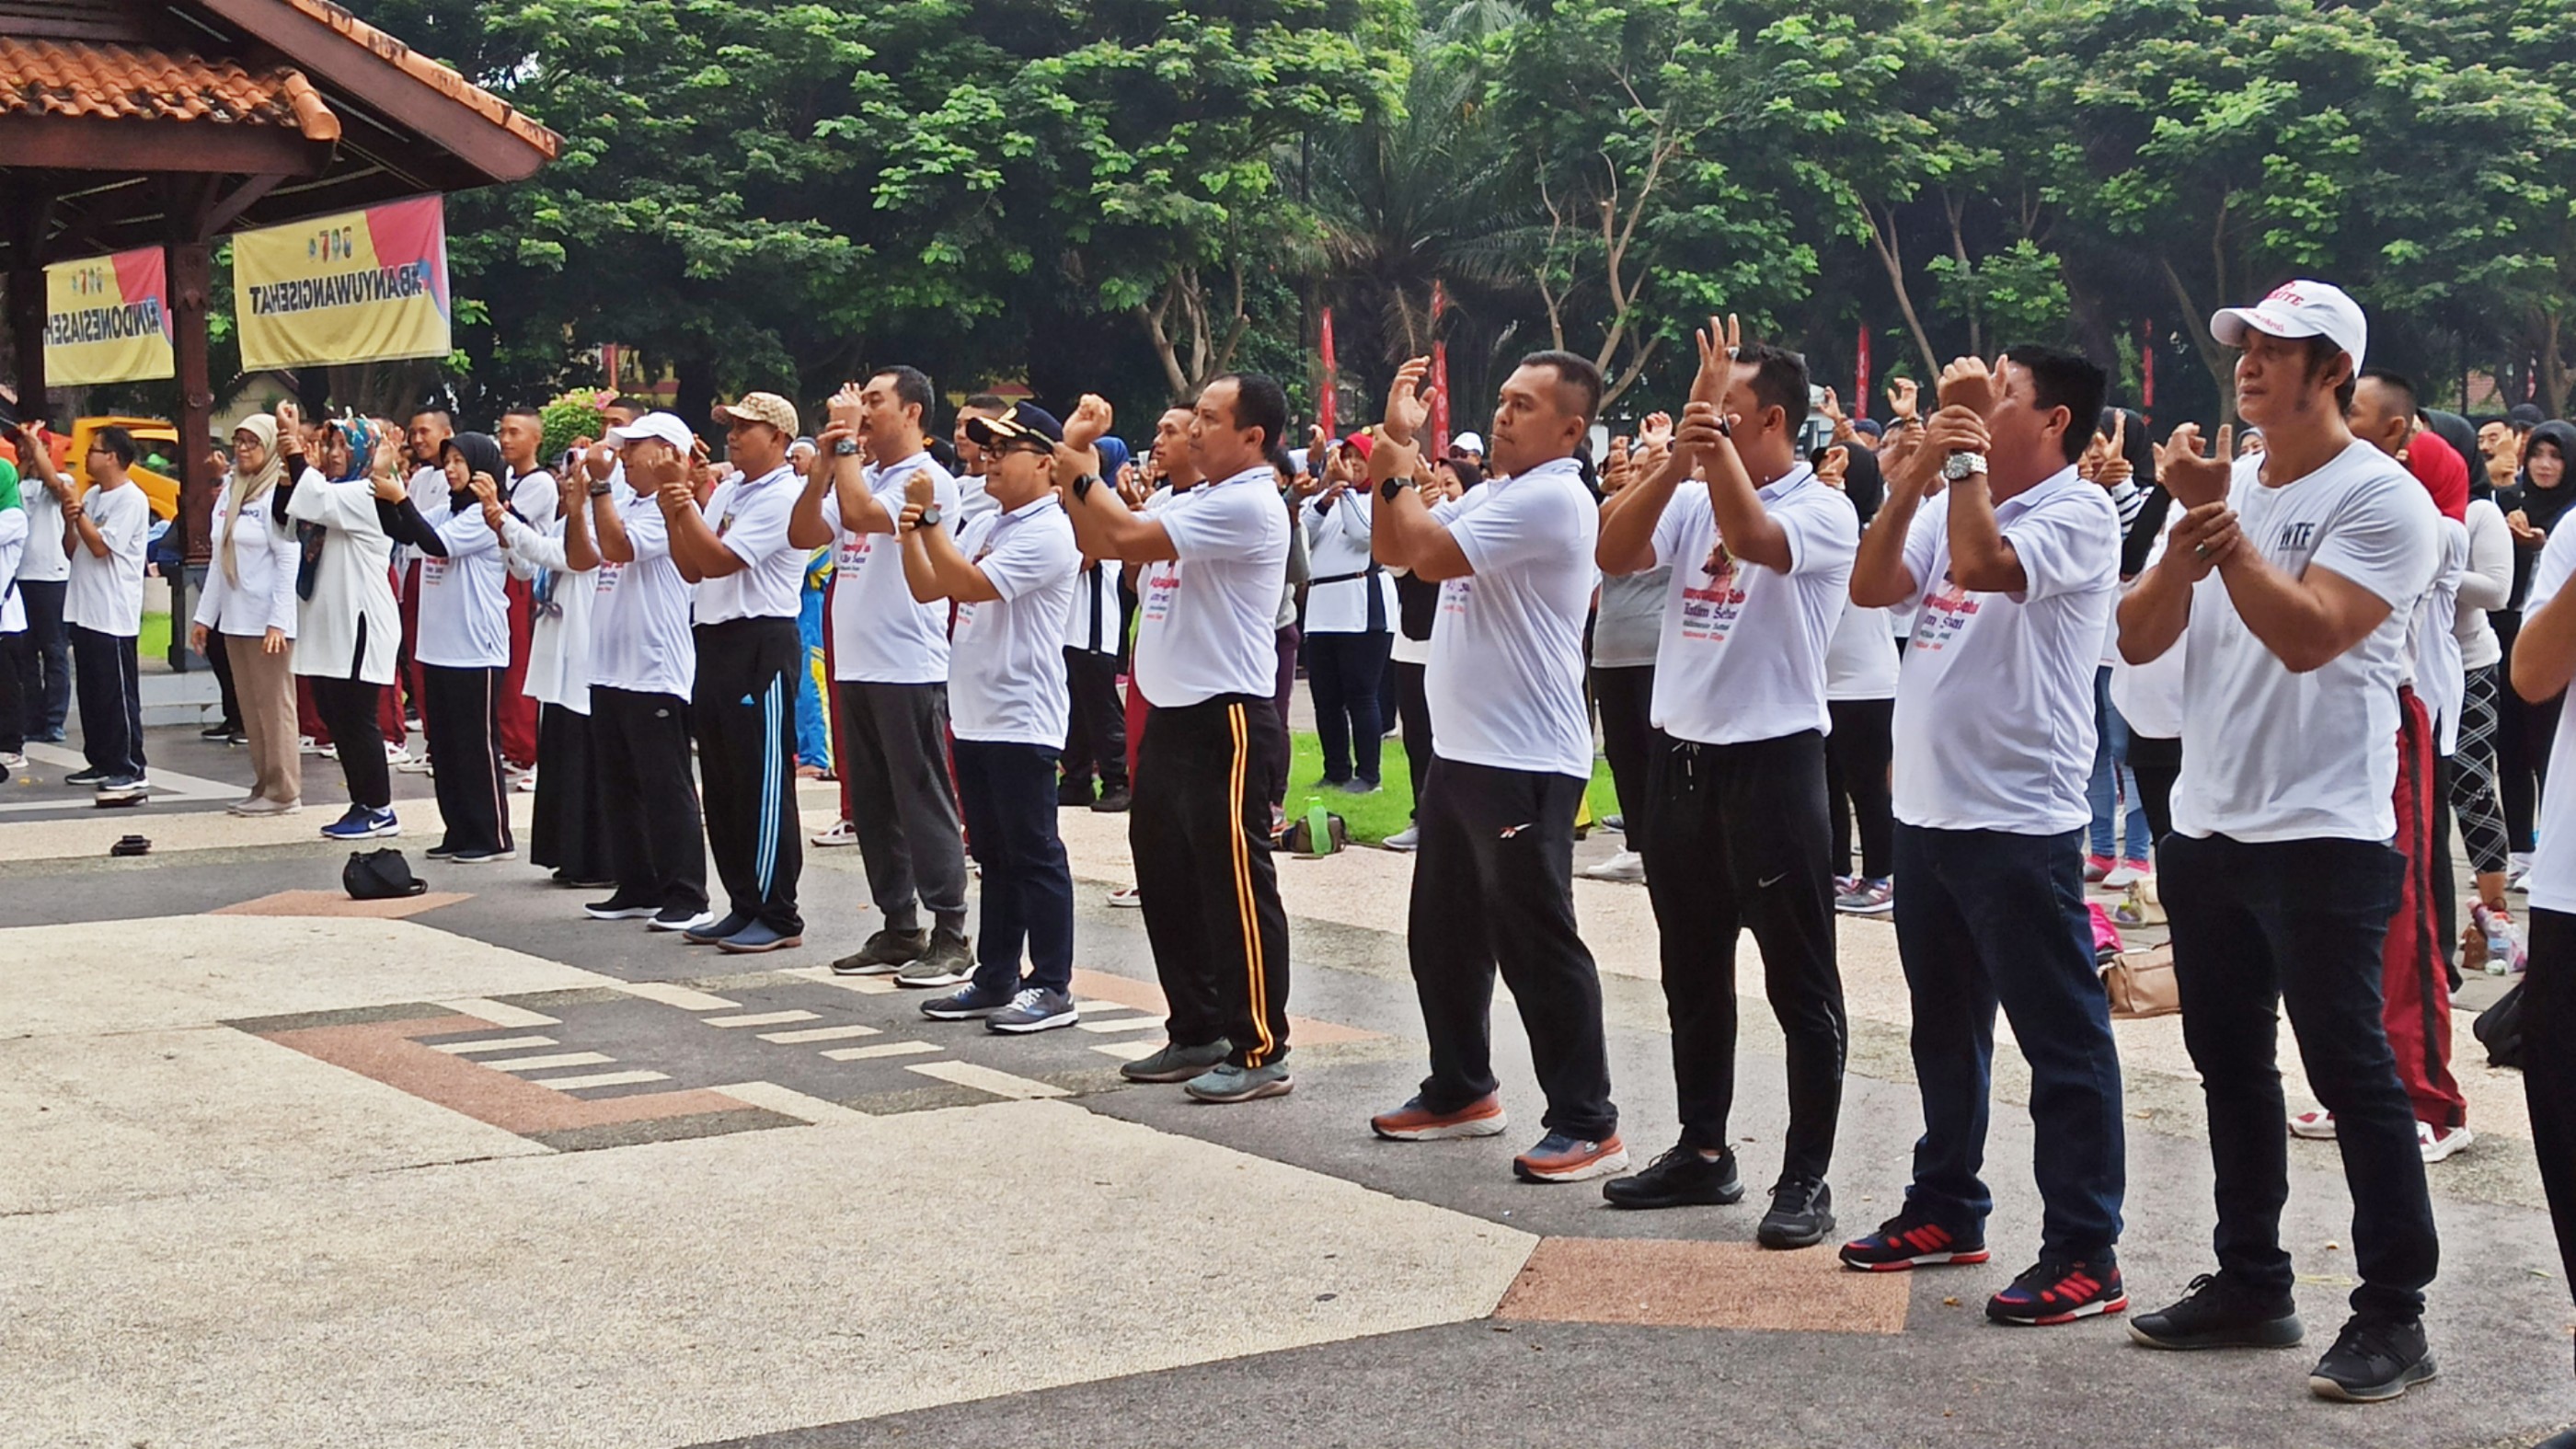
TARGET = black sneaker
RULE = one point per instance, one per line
(218, 731)
(1679, 1178)
(1913, 1239)
(1072, 794)
(620, 908)
(2052, 1293)
(2217, 1314)
(1112, 801)
(441, 851)
(2373, 1360)
(1801, 1216)
(90, 777)
(883, 954)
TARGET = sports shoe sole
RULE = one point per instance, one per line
(2051, 1320)
(956, 1013)
(2415, 1373)
(630, 913)
(2449, 1147)
(1493, 1126)
(852, 966)
(955, 976)
(2306, 1132)
(489, 858)
(1681, 1200)
(1167, 1075)
(1277, 1088)
(1875, 908)
(2277, 1333)
(683, 927)
(783, 943)
(1955, 1258)
(1791, 1242)
(1602, 1166)
(1023, 1028)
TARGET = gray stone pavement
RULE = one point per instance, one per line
(250, 1209)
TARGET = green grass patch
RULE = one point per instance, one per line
(152, 640)
(1372, 818)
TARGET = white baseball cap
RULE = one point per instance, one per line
(1468, 443)
(662, 426)
(2298, 309)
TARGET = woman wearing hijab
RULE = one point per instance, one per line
(463, 647)
(249, 605)
(346, 623)
(559, 561)
(2533, 506)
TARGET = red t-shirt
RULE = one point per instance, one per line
(2438, 466)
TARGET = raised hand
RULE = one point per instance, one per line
(2194, 477)
(1700, 431)
(919, 488)
(1901, 393)
(2202, 540)
(1617, 470)
(1655, 433)
(599, 462)
(1832, 411)
(1970, 383)
(2114, 469)
(289, 418)
(218, 465)
(485, 491)
(1131, 485)
(1089, 423)
(1408, 400)
(1718, 343)
(845, 408)
(1836, 464)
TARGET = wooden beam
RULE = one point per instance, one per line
(228, 207)
(192, 278)
(82, 143)
(27, 338)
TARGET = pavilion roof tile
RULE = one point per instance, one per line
(118, 82)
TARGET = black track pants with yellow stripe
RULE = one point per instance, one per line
(1200, 831)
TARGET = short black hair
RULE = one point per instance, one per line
(1576, 372)
(1260, 402)
(2322, 352)
(118, 441)
(911, 385)
(524, 410)
(1779, 380)
(2396, 382)
(987, 402)
(2069, 380)
(433, 410)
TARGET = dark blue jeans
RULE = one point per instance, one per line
(1007, 792)
(2298, 923)
(1983, 919)
(1343, 672)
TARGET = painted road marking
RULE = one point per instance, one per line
(760, 1018)
(670, 994)
(866, 985)
(503, 1044)
(539, 1064)
(1126, 1023)
(1128, 1051)
(818, 1033)
(499, 1013)
(791, 1103)
(985, 1079)
(881, 1049)
(603, 1079)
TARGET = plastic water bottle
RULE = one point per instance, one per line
(2504, 946)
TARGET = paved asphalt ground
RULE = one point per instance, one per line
(481, 1172)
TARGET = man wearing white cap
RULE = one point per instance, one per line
(1467, 445)
(750, 580)
(2290, 584)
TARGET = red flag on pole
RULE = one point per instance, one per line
(1324, 405)
(1439, 377)
(2147, 370)
(1860, 381)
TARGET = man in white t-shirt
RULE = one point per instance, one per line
(2544, 660)
(643, 669)
(530, 491)
(1494, 882)
(1736, 833)
(1211, 559)
(973, 501)
(749, 579)
(1011, 573)
(44, 657)
(890, 656)
(2012, 579)
(2290, 584)
(104, 532)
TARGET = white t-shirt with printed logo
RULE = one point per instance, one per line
(639, 623)
(1505, 681)
(880, 633)
(1206, 620)
(1006, 683)
(106, 594)
(749, 515)
(464, 613)
(1994, 701)
(1742, 652)
(2553, 859)
(2270, 755)
(1095, 621)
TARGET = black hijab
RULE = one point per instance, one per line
(482, 454)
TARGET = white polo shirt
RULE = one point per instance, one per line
(639, 623)
(880, 633)
(1505, 681)
(106, 594)
(1742, 653)
(2271, 755)
(1860, 660)
(1006, 680)
(1338, 552)
(2553, 860)
(1208, 624)
(750, 516)
(1093, 623)
(464, 620)
(1994, 702)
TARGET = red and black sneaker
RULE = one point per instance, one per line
(2059, 1293)
(1910, 1240)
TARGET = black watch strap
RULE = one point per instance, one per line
(1082, 484)
(1391, 487)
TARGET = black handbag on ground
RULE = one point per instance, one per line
(379, 875)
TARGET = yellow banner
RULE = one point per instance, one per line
(107, 319)
(362, 286)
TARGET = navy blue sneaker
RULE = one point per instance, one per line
(361, 823)
(1913, 1240)
(714, 931)
(966, 1003)
(758, 937)
(2052, 1293)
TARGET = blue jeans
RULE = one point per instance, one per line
(2112, 780)
(1007, 792)
(1983, 919)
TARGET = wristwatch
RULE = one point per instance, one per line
(599, 488)
(929, 516)
(1391, 487)
(846, 448)
(1963, 466)
(1082, 484)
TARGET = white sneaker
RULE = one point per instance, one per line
(2437, 1143)
(1407, 839)
(1126, 899)
(2517, 869)
(841, 833)
(2316, 1126)
(12, 760)
(1627, 866)
(524, 781)
(395, 754)
(411, 766)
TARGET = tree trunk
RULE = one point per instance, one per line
(1883, 241)
(2195, 317)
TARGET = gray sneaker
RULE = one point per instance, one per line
(883, 954)
(1177, 1063)
(948, 960)
(1034, 1010)
(1226, 1082)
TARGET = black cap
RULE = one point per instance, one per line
(2526, 416)
(1024, 420)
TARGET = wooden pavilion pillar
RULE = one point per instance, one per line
(27, 338)
(192, 270)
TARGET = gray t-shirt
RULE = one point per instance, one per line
(1631, 618)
